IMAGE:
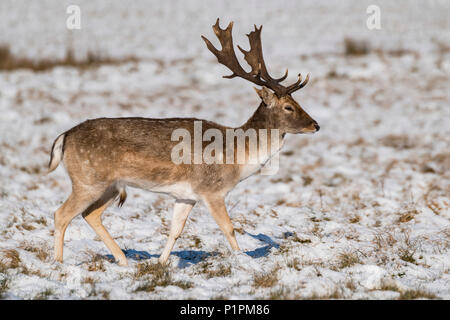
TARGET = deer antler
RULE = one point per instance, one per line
(254, 57)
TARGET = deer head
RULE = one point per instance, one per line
(278, 106)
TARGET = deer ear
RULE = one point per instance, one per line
(267, 96)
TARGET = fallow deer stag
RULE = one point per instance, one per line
(103, 156)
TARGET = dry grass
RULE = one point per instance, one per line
(94, 292)
(284, 293)
(389, 286)
(11, 62)
(33, 169)
(102, 293)
(383, 240)
(4, 286)
(408, 248)
(407, 254)
(398, 142)
(287, 294)
(417, 294)
(97, 293)
(41, 250)
(307, 180)
(400, 244)
(353, 47)
(285, 179)
(434, 191)
(281, 294)
(96, 263)
(152, 269)
(10, 259)
(25, 226)
(157, 275)
(44, 295)
(316, 230)
(197, 242)
(348, 259)
(222, 270)
(40, 220)
(294, 264)
(266, 279)
(88, 280)
(408, 215)
(350, 284)
(355, 219)
(335, 294)
(297, 239)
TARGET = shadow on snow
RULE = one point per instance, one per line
(189, 257)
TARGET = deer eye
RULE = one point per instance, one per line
(289, 108)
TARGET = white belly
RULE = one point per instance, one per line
(178, 190)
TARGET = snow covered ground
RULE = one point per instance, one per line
(359, 210)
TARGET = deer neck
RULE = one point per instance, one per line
(261, 121)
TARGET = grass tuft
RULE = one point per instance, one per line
(10, 259)
(96, 263)
(157, 275)
(353, 47)
(44, 295)
(417, 294)
(4, 286)
(41, 250)
(348, 259)
(221, 270)
(335, 294)
(266, 279)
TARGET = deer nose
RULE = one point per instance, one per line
(316, 125)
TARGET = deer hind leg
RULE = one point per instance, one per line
(216, 206)
(180, 213)
(77, 202)
(93, 214)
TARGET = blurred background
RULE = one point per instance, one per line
(380, 163)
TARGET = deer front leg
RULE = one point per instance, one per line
(216, 205)
(180, 213)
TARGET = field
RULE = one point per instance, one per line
(359, 210)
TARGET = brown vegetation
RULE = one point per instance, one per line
(398, 142)
(96, 263)
(10, 259)
(417, 294)
(222, 270)
(41, 250)
(4, 286)
(353, 47)
(348, 259)
(266, 279)
(10, 62)
(157, 275)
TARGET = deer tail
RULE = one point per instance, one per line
(57, 153)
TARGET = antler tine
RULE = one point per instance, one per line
(254, 57)
(227, 56)
(283, 77)
(296, 86)
(292, 86)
